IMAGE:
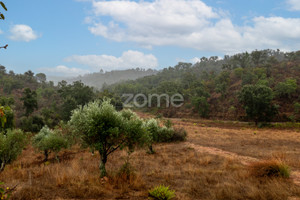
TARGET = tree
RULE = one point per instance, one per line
(49, 141)
(41, 77)
(11, 146)
(287, 88)
(6, 118)
(257, 102)
(104, 129)
(74, 95)
(29, 101)
(201, 105)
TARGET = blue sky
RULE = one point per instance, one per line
(72, 37)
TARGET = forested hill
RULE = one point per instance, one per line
(212, 87)
(100, 79)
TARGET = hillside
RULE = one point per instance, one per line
(36, 102)
(97, 80)
(212, 86)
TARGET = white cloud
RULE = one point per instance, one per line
(294, 5)
(63, 71)
(21, 32)
(129, 59)
(191, 24)
(1, 32)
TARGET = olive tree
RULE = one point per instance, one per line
(11, 145)
(48, 141)
(106, 130)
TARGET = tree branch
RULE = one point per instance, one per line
(4, 47)
(112, 149)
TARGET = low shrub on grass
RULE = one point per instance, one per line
(179, 134)
(48, 141)
(161, 193)
(270, 168)
(5, 193)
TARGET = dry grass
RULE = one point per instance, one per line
(269, 168)
(193, 174)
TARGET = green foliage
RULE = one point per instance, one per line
(104, 129)
(161, 193)
(29, 101)
(201, 104)
(286, 88)
(159, 133)
(11, 145)
(257, 101)
(48, 141)
(297, 108)
(73, 96)
(5, 193)
(6, 118)
(32, 123)
(41, 77)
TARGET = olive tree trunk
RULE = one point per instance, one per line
(103, 160)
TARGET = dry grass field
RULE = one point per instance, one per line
(214, 163)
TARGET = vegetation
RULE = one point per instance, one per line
(270, 168)
(104, 129)
(11, 145)
(212, 86)
(162, 193)
(257, 101)
(48, 141)
(5, 193)
(101, 80)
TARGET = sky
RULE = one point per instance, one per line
(74, 37)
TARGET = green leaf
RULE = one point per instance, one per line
(2, 16)
(3, 5)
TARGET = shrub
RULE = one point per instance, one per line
(179, 135)
(161, 193)
(6, 118)
(49, 141)
(287, 88)
(32, 123)
(202, 106)
(159, 133)
(11, 146)
(5, 193)
(270, 168)
(128, 114)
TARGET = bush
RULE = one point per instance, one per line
(11, 146)
(49, 141)
(5, 193)
(161, 193)
(179, 135)
(6, 118)
(164, 133)
(32, 124)
(270, 168)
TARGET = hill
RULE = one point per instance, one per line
(212, 86)
(100, 79)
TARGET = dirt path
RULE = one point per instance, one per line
(245, 160)
(215, 151)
